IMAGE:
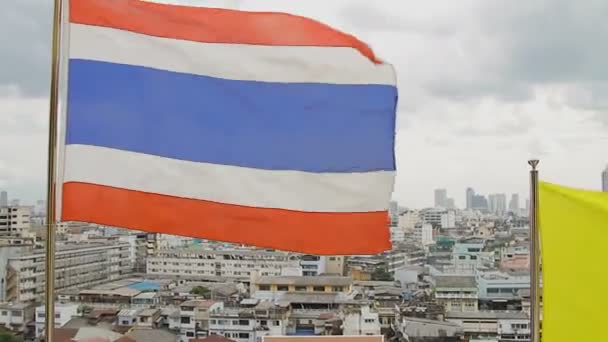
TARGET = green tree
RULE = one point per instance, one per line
(6, 337)
(382, 274)
(201, 291)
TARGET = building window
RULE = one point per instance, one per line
(185, 320)
(276, 323)
(473, 257)
(213, 321)
(189, 334)
(301, 288)
(462, 257)
(264, 323)
(4, 314)
(369, 320)
(264, 287)
(319, 288)
(243, 335)
(282, 288)
(337, 289)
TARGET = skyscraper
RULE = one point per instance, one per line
(514, 204)
(479, 202)
(501, 204)
(441, 198)
(605, 179)
(497, 203)
(470, 196)
(3, 199)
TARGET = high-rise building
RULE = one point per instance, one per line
(514, 204)
(470, 196)
(3, 199)
(605, 179)
(450, 204)
(479, 202)
(441, 198)
(501, 205)
(14, 221)
(497, 203)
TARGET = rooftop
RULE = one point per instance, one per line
(487, 315)
(15, 306)
(455, 282)
(306, 281)
(200, 303)
(151, 335)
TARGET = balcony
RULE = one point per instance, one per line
(440, 295)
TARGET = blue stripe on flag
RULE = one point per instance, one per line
(275, 126)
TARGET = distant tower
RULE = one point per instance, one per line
(3, 199)
(470, 196)
(441, 198)
(605, 179)
(514, 204)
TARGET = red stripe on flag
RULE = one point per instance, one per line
(304, 232)
(212, 25)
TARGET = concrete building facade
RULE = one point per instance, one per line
(76, 266)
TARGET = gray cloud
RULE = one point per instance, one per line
(514, 47)
(25, 45)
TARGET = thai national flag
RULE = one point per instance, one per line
(266, 129)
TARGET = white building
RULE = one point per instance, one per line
(397, 234)
(16, 316)
(233, 263)
(250, 322)
(408, 220)
(313, 265)
(63, 314)
(439, 217)
(493, 325)
(448, 220)
(360, 320)
(11, 247)
(423, 234)
(457, 293)
(15, 220)
(76, 265)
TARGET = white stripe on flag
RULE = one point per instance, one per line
(293, 190)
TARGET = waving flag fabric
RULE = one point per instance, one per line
(265, 129)
(574, 234)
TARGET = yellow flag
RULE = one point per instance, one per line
(574, 246)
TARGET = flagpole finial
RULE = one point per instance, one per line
(533, 163)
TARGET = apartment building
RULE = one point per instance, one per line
(15, 220)
(11, 247)
(457, 293)
(192, 320)
(360, 320)
(251, 321)
(229, 263)
(16, 316)
(63, 314)
(501, 325)
(267, 287)
(77, 265)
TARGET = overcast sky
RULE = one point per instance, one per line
(483, 86)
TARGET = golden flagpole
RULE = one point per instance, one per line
(534, 255)
(51, 175)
